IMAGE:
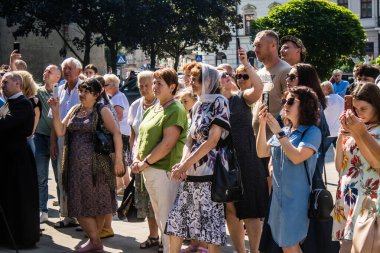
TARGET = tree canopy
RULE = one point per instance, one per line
(329, 32)
(160, 28)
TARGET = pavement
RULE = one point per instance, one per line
(128, 235)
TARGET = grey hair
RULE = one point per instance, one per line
(269, 33)
(327, 83)
(73, 61)
(143, 75)
(14, 77)
(337, 71)
(113, 79)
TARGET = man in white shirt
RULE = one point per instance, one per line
(68, 97)
(335, 107)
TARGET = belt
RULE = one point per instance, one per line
(199, 179)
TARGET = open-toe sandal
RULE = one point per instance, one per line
(150, 242)
(202, 250)
(189, 249)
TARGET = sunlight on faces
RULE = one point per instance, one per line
(145, 86)
(196, 85)
(292, 78)
(262, 47)
(291, 111)
(161, 89)
(365, 111)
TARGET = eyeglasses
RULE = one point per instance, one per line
(240, 76)
(225, 74)
(291, 76)
(289, 101)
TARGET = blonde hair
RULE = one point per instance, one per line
(186, 92)
(29, 87)
(112, 78)
(240, 69)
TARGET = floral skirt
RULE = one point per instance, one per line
(195, 216)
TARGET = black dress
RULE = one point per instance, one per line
(18, 175)
(255, 201)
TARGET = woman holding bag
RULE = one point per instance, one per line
(356, 163)
(88, 177)
(290, 147)
(194, 215)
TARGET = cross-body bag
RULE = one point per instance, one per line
(320, 201)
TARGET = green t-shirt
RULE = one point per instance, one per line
(44, 124)
(151, 132)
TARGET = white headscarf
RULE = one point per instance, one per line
(210, 84)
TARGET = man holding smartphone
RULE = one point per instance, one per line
(51, 76)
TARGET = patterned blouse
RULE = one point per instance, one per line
(203, 117)
(357, 180)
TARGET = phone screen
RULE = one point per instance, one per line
(55, 90)
(348, 102)
(266, 99)
(16, 46)
(238, 42)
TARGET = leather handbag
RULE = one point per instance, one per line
(366, 235)
(226, 183)
(127, 209)
(321, 202)
(103, 139)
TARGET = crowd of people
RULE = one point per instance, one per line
(281, 121)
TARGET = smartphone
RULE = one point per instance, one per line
(55, 90)
(266, 99)
(238, 42)
(348, 102)
(16, 46)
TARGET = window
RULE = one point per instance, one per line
(247, 23)
(366, 8)
(343, 3)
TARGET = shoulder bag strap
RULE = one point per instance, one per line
(306, 166)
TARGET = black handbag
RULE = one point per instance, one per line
(127, 209)
(103, 139)
(321, 202)
(226, 182)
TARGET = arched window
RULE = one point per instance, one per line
(249, 14)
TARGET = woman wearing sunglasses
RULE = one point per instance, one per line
(290, 148)
(255, 199)
(303, 74)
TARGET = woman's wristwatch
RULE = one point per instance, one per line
(280, 135)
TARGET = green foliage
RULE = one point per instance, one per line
(328, 31)
(377, 60)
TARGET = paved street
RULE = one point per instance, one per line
(127, 235)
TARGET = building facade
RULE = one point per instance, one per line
(367, 11)
(39, 52)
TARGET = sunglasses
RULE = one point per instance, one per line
(289, 101)
(225, 74)
(291, 76)
(240, 76)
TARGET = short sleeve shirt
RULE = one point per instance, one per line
(274, 80)
(120, 100)
(288, 211)
(152, 128)
(44, 124)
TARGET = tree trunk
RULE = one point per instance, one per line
(176, 60)
(113, 52)
(152, 55)
(87, 48)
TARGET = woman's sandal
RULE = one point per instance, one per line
(150, 242)
(189, 249)
(202, 250)
(160, 248)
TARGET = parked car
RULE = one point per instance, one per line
(130, 89)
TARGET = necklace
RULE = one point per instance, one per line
(161, 107)
(146, 105)
(83, 112)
